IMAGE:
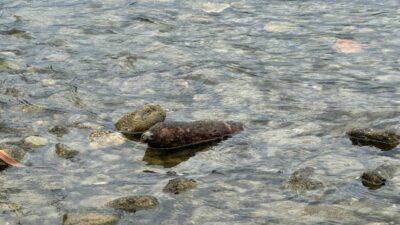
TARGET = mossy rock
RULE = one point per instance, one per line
(374, 179)
(302, 180)
(141, 119)
(64, 151)
(383, 139)
(179, 185)
(133, 203)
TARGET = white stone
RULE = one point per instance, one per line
(36, 140)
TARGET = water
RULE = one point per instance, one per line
(268, 64)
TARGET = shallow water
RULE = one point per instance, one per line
(269, 64)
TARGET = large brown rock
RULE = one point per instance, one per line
(173, 135)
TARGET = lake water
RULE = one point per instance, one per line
(272, 65)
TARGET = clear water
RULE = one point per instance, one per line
(269, 64)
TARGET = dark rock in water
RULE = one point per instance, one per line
(141, 119)
(172, 158)
(14, 151)
(173, 135)
(382, 139)
(133, 203)
(179, 185)
(16, 33)
(301, 180)
(376, 178)
(58, 131)
(89, 219)
(65, 151)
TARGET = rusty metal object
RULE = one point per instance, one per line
(173, 135)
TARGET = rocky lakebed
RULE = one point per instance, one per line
(168, 112)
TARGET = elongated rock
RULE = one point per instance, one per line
(141, 119)
(382, 139)
(173, 135)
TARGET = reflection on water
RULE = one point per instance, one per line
(171, 158)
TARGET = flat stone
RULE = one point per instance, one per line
(179, 185)
(36, 141)
(64, 151)
(141, 119)
(89, 219)
(133, 203)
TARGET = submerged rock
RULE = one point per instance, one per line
(102, 139)
(13, 151)
(89, 219)
(141, 119)
(376, 178)
(16, 33)
(302, 180)
(179, 185)
(382, 139)
(35, 141)
(173, 135)
(65, 151)
(59, 131)
(133, 203)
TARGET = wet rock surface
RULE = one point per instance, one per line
(179, 185)
(382, 139)
(374, 179)
(89, 219)
(64, 151)
(141, 119)
(303, 180)
(133, 203)
(13, 151)
(59, 131)
(173, 135)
